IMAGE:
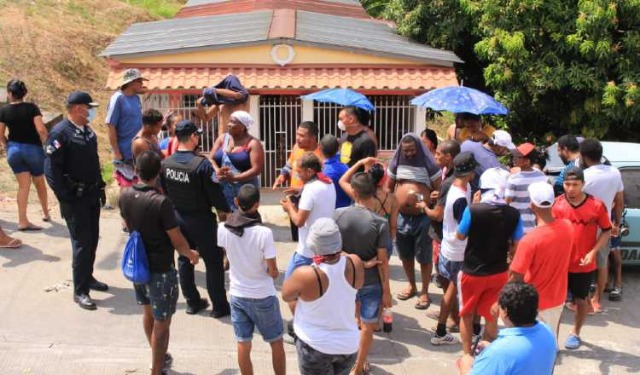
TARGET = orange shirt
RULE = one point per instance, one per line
(295, 154)
(587, 218)
(543, 257)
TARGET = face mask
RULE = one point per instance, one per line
(342, 126)
(92, 115)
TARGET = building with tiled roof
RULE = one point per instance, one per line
(281, 49)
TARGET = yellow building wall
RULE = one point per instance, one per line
(262, 55)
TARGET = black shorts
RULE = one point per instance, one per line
(579, 284)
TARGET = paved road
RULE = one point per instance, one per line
(43, 332)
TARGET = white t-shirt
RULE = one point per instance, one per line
(247, 254)
(603, 182)
(319, 199)
(457, 201)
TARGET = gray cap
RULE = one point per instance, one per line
(324, 237)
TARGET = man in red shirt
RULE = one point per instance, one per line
(587, 214)
(543, 255)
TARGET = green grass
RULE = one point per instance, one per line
(159, 8)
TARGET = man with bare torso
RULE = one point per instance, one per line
(413, 175)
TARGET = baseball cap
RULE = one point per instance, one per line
(574, 173)
(187, 127)
(525, 148)
(494, 179)
(131, 75)
(81, 97)
(324, 237)
(464, 164)
(502, 138)
(541, 194)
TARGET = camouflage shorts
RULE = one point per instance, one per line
(312, 362)
(161, 292)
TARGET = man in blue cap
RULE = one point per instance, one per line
(72, 169)
(187, 179)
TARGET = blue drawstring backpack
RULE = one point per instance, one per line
(135, 265)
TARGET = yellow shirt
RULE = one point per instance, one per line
(464, 133)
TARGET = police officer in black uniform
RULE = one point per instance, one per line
(72, 170)
(187, 179)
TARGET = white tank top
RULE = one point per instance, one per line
(328, 324)
(452, 248)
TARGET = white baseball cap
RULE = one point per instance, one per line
(502, 138)
(541, 194)
(494, 179)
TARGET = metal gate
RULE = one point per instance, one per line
(394, 117)
(280, 115)
(187, 110)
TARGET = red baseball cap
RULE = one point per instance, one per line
(525, 148)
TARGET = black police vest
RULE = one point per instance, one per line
(184, 185)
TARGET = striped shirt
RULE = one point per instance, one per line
(519, 195)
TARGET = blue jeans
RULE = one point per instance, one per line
(230, 190)
(412, 238)
(25, 157)
(161, 292)
(250, 313)
(370, 298)
(296, 261)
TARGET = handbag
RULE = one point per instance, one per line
(135, 265)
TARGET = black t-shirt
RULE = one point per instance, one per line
(435, 229)
(152, 214)
(19, 119)
(490, 234)
(356, 147)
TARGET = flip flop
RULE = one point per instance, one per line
(30, 228)
(403, 296)
(422, 305)
(13, 244)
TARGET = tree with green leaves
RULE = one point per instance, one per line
(561, 66)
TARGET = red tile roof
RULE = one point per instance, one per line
(294, 78)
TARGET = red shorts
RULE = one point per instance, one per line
(436, 252)
(479, 293)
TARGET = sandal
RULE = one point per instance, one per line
(423, 305)
(13, 243)
(404, 295)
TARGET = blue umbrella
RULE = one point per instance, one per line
(458, 99)
(341, 96)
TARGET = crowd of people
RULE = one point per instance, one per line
(475, 212)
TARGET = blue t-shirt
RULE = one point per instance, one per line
(334, 169)
(465, 225)
(519, 350)
(558, 184)
(485, 158)
(125, 114)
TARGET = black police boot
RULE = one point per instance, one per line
(84, 301)
(195, 307)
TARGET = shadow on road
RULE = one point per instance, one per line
(25, 254)
(606, 357)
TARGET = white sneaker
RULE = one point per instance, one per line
(447, 339)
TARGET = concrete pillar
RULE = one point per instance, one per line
(419, 120)
(254, 111)
(307, 110)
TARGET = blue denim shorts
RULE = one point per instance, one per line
(412, 238)
(230, 190)
(249, 313)
(370, 298)
(296, 261)
(449, 269)
(161, 292)
(25, 157)
(615, 243)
